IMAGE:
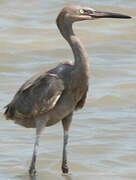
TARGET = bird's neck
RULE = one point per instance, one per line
(80, 55)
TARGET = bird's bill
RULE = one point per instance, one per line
(99, 14)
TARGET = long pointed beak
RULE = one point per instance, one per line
(99, 14)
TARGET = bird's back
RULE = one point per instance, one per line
(43, 93)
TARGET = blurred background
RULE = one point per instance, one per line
(102, 136)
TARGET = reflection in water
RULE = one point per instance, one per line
(45, 177)
(64, 177)
(68, 177)
(33, 177)
(102, 138)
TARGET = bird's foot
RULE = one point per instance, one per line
(65, 171)
(32, 171)
(65, 174)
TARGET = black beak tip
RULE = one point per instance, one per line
(128, 17)
(120, 16)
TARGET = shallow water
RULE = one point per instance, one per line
(102, 137)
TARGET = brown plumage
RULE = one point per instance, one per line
(36, 97)
(45, 93)
(52, 96)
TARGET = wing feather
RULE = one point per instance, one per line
(37, 96)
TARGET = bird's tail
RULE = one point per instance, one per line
(9, 112)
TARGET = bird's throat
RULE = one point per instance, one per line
(80, 55)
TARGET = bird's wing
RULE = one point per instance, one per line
(38, 95)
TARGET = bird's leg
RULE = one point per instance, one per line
(40, 124)
(66, 124)
(32, 170)
(64, 160)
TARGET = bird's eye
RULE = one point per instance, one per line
(82, 11)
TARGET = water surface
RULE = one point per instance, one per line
(102, 137)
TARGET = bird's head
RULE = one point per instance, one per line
(73, 13)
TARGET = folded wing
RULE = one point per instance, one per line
(37, 96)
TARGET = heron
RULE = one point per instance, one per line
(52, 96)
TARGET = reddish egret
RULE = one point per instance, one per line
(53, 96)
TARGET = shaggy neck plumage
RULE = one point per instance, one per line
(80, 54)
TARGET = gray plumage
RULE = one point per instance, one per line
(53, 96)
